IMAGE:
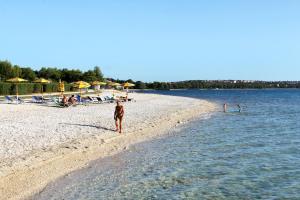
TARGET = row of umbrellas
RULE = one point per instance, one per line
(83, 84)
(20, 80)
(78, 84)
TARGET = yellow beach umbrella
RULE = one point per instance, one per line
(102, 83)
(110, 83)
(98, 83)
(127, 85)
(16, 80)
(115, 84)
(81, 85)
(42, 81)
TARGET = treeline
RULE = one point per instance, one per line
(204, 84)
(7, 71)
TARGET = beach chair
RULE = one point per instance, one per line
(100, 100)
(94, 99)
(81, 100)
(19, 100)
(36, 99)
(109, 99)
(56, 102)
(9, 99)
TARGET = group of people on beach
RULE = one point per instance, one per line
(66, 102)
(118, 114)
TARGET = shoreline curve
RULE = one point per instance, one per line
(34, 174)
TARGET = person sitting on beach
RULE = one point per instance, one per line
(118, 116)
(72, 100)
(65, 101)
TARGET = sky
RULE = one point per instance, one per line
(156, 40)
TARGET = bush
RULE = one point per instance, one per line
(23, 88)
(5, 88)
(29, 88)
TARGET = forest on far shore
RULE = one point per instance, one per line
(8, 70)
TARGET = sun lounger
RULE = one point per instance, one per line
(19, 100)
(9, 99)
(101, 100)
(15, 99)
(109, 99)
(36, 99)
(94, 99)
(56, 102)
(82, 100)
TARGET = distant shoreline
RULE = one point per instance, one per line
(193, 89)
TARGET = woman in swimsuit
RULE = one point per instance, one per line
(119, 113)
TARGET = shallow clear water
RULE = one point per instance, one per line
(250, 155)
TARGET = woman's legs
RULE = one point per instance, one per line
(116, 122)
(120, 119)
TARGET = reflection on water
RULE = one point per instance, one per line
(250, 155)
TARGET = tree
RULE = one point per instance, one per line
(90, 76)
(98, 73)
(140, 85)
(50, 73)
(5, 70)
(16, 71)
(71, 75)
(28, 74)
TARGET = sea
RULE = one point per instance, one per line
(252, 154)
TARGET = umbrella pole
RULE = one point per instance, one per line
(17, 92)
(80, 94)
(42, 92)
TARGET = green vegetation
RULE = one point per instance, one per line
(220, 84)
(7, 70)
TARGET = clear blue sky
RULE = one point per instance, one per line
(165, 40)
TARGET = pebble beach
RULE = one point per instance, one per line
(41, 143)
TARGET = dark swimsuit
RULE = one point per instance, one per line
(119, 112)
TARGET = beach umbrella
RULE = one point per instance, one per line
(116, 84)
(127, 85)
(98, 83)
(113, 84)
(81, 85)
(16, 81)
(42, 81)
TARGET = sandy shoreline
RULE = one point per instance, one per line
(39, 146)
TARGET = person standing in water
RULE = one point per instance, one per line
(239, 107)
(118, 116)
(225, 107)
